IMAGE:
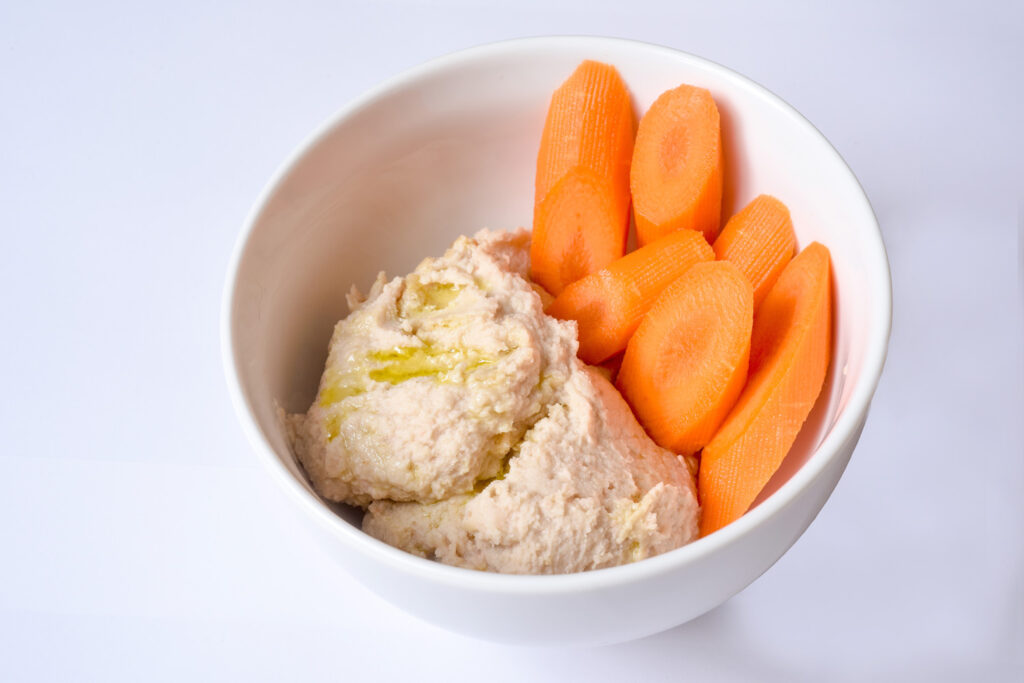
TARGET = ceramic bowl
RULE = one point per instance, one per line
(449, 147)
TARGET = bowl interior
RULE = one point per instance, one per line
(450, 147)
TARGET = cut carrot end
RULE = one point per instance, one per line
(575, 232)
(687, 362)
(676, 174)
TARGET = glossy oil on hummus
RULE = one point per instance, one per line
(456, 412)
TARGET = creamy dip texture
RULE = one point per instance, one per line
(456, 412)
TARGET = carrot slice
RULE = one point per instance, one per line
(676, 177)
(789, 354)
(608, 305)
(687, 362)
(589, 124)
(575, 232)
(581, 199)
(760, 241)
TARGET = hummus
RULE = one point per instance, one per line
(457, 413)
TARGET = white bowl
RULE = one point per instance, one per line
(449, 147)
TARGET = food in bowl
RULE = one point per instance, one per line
(458, 413)
(455, 410)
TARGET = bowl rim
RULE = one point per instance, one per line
(876, 349)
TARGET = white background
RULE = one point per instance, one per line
(139, 539)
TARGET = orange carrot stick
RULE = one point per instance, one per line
(676, 177)
(789, 355)
(760, 241)
(581, 200)
(687, 361)
(608, 305)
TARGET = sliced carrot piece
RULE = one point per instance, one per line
(676, 176)
(575, 232)
(687, 362)
(581, 199)
(608, 305)
(760, 241)
(789, 354)
(589, 124)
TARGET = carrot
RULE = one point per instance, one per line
(581, 199)
(760, 241)
(676, 177)
(686, 363)
(608, 305)
(789, 354)
(574, 232)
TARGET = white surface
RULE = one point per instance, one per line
(452, 146)
(141, 540)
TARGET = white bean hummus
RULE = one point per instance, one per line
(456, 412)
